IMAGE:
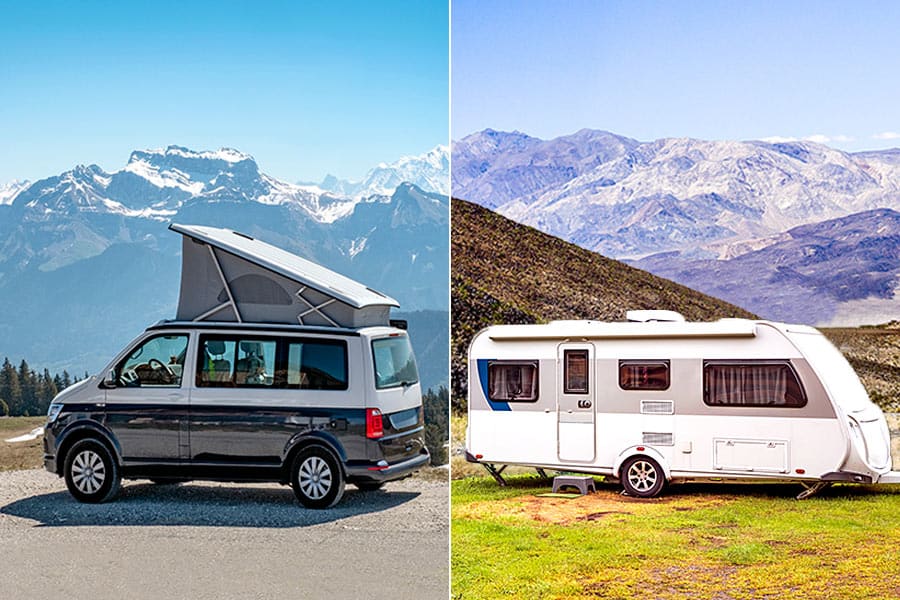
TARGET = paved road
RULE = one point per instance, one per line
(209, 540)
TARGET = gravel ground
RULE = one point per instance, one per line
(210, 540)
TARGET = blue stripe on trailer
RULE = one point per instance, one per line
(483, 379)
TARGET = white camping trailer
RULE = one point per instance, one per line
(658, 400)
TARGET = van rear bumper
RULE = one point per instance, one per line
(389, 473)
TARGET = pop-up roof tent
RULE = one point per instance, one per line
(229, 276)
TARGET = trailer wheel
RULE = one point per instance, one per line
(642, 477)
(317, 478)
(91, 472)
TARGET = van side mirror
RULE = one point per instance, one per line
(110, 380)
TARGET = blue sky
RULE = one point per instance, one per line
(829, 71)
(307, 88)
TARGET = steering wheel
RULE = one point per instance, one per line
(158, 365)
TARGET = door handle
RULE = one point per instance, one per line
(176, 397)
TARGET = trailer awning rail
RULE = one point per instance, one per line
(589, 330)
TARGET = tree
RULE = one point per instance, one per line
(10, 389)
(437, 424)
(28, 383)
(46, 390)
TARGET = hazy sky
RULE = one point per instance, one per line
(307, 88)
(714, 70)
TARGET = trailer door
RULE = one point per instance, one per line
(575, 402)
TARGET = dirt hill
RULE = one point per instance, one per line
(504, 272)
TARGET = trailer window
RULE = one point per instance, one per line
(644, 375)
(749, 384)
(575, 371)
(513, 382)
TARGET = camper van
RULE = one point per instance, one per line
(274, 369)
(657, 400)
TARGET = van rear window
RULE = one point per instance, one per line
(395, 364)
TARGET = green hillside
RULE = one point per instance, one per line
(504, 272)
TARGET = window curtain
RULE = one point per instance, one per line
(724, 384)
(748, 385)
(765, 384)
(512, 382)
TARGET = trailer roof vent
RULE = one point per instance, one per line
(647, 316)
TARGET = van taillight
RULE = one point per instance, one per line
(374, 427)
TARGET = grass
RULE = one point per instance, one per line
(21, 455)
(697, 541)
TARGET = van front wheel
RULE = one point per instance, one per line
(642, 477)
(316, 478)
(91, 472)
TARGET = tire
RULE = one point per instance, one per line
(369, 486)
(91, 472)
(642, 477)
(317, 478)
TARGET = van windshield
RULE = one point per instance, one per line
(395, 364)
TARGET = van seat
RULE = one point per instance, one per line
(251, 368)
(215, 368)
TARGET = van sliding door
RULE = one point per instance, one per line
(575, 395)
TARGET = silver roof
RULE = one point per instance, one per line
(288, 265)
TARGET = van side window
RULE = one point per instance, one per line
(644, 375)
(317, 365)
(752, 384)
(227, 362)
(255, 363)
(575, 371)
(513, 381)
(158, 362)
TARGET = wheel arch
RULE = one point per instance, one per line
(646, 451)
(83, 431)
(306, 440)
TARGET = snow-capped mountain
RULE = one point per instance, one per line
(429, 171)
(155, 184)
(87, 261)
(626, 198)
(708, 214)
(8, 191)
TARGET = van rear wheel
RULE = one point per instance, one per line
(317, 478)
(642, 477)
(91, 472)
